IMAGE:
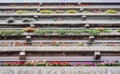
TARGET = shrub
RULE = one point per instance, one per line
(29, 29)
(118, 31)
(54, 43)
(28, 20)
(91, 32)
(61, 32)
(45, 11)
(29, 63)
(111, 11)
(59, 11)
(109, 64)
(106, 30)
(39, 32)
(10, 32)
(71, 11)
(42, 32)
(42, 63)
(100, 29)
(75, 31)
(10, 20)
(20, 11)
(64, 32)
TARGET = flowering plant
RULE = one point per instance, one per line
(29, 63)
(83, 4)
(109, 64)
(13, 64)
(42, 63)
(35, 63)
(54, 43)
(58, 64)
(84, 64)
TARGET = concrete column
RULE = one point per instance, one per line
(87, 26)
(32, 25)
(97, 55)
(81, 9)
(28, 40)
(91, 40)
(83, 17)
(38, 10)
(22, 56)
(36, 17)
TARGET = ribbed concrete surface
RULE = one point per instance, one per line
(58, 1)
(60, 70)
(60, 48)
(60, 58)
